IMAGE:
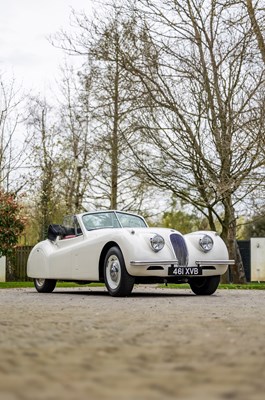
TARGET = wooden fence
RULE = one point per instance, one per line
(16, 264)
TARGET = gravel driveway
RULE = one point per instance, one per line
(157, 344)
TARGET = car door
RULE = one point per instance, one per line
(62, 262)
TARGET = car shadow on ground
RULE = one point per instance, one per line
(104, 293)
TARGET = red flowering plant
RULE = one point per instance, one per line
(11, 222)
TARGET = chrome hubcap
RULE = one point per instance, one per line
(113, 272)
(40, 282)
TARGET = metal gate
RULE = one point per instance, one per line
(244, 248)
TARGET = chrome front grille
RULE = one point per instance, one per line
(180, 248)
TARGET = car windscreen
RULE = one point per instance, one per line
(112, 220)
(100, 221)
(131, 220)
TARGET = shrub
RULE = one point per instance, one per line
(11, 222)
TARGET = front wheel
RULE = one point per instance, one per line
(45, 285)
(204, 286)
(117, 280)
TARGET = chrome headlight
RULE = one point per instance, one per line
(206, 243)
(157, 243)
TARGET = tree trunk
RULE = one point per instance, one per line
(115, 140)
(236, 273)
(256, 28)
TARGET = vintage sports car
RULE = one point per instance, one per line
(119, 249)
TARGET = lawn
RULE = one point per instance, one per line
(14, 285)
(247, 286)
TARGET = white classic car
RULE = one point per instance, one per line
(119, 249)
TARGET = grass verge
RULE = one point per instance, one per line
(14, 285)
(247, 286)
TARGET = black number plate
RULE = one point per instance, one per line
(184, 271)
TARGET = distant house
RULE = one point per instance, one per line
(2, 269)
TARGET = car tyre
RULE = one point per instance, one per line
(117, 280)
(45, 285)
(204, 286)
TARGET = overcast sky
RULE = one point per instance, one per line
(24, 49)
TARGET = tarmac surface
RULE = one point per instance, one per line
(81, 343)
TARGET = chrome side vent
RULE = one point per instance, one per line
(180, 248)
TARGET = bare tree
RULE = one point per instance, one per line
(114, 104)
(44, 153)
(12, 145)
(75, 145)
(203, 142)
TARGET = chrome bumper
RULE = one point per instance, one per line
(205, 263)
(201, 263)
(151, 263)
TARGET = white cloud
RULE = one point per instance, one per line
(25, 28)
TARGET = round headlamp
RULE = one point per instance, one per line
(206, 243)
(157, 243)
